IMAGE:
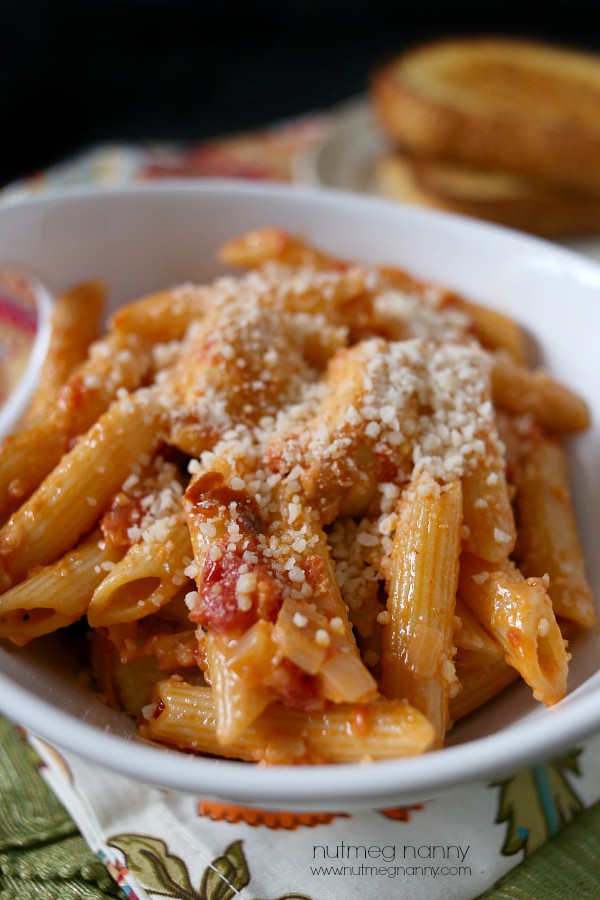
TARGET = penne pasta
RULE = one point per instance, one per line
(288, 502)
(164, 316)
(470, 637)
(71, 498)
(272, 244)
(171, 647)
(548, 538)
(518, 614)
(237, 704)
(149, 576)
(74, 324)
(488, 518)
(334, 482)
(222, 519)
(130, 685)
(417, 639)
(26, 458)
(478, 685)
(255, 656)
(184, 716)
(520, 390)
(56, 595)
(493, 329)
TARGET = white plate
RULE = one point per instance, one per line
(346, 160)
(146, 237)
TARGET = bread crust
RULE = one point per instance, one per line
(512, 201)
(418, 107)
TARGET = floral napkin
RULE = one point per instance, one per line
(158, 843)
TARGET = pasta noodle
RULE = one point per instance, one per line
(417, 641)
(184, 716)
(76, 321)
(312, 514)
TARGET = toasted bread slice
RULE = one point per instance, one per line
(495, 196)
(512, 105)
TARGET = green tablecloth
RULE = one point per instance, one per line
(43, 856)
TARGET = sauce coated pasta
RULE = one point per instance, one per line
(312, 513)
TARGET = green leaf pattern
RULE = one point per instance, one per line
(227, 875)
(536, 803)
(163, 874)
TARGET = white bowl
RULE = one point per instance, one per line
(143, 238)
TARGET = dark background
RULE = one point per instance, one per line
(77, 72)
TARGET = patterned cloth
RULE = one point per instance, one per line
(157, 843)
(262, 155)
(42, 854)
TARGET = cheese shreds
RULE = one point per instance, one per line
(305, 415)
(266, 394)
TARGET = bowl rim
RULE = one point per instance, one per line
(314, 786)
(16, 403)
(320, 786)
